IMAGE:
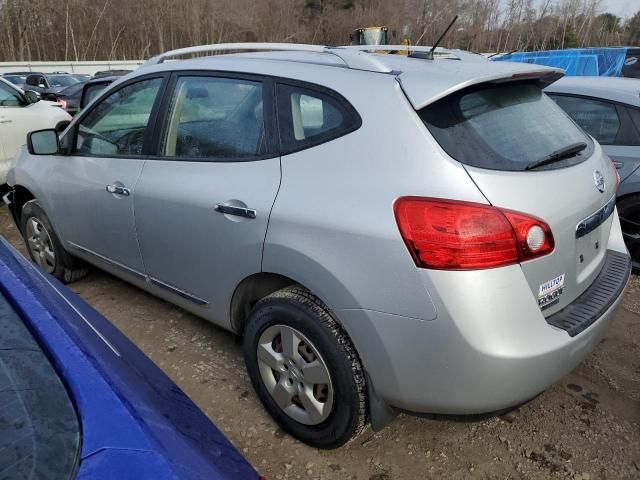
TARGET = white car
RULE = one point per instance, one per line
(20, 113)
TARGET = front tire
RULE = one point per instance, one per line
(44, 246)
(305, 369)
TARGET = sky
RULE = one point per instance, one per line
(621, 8)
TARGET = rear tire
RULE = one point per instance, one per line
(44, 246)
(325, 407)
(629, 213)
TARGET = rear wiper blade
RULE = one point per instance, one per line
(566, 152)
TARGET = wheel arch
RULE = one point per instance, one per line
(21, 195)
(259, 285)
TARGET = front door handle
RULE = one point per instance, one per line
(5, 120)
(237, 211)
(118, 190)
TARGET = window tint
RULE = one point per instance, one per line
(308, 117)
(598, 119)
(116, 126)
(634, 113)
(215, 118)
(504, 127)
(9, 97)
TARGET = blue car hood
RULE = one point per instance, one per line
(136, 423)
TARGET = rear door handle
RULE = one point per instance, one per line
(237, 211)
(5, 120)
(118, 190)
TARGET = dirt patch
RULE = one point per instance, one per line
(587, 426)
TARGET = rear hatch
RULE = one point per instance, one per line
(525, 154)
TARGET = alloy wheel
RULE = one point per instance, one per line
(295, 374)
(40, 245)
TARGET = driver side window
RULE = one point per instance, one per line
(10, 97)
(116, 126)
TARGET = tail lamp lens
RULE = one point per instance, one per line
(453, 235)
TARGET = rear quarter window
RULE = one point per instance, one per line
(503, 127)
(309, 116)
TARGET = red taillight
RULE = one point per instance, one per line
(454, 235)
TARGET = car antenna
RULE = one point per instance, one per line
(429, 55)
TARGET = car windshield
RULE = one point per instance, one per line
(16, 79)
(40, 432)
(58, 81)
(72, 90)
(504, 127)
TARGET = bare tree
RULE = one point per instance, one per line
(122, 29)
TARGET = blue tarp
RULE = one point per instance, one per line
(601, 62)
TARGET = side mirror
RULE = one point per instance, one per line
(32, 97)
(43, 142)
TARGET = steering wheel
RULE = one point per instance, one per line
(131, 142)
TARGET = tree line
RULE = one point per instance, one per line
(70, 30)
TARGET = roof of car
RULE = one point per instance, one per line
(424, 81)
(623, 90)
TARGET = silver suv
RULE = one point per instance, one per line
(387, 232)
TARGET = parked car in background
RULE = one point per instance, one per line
(451, 246)
(608, 109)
(76, 97)
(605, 62)
(83, 77)
(49, 84)
(21, 112)
(17, 78)
(80, 401)
(111, 73)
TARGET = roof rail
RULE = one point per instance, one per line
(439, 51)
(353, 59)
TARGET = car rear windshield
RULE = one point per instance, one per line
(503, 127)
(39, 430)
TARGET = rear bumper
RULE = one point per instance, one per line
(490, 347)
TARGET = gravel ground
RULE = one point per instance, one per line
(587, 426)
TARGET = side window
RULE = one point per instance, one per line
(32, 80)
(116, 126)
(598, 119)
(308, 117)
(10, 97)
(215, 118)
(634, 113)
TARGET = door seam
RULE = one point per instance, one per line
(135, 223)
(273, 204)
